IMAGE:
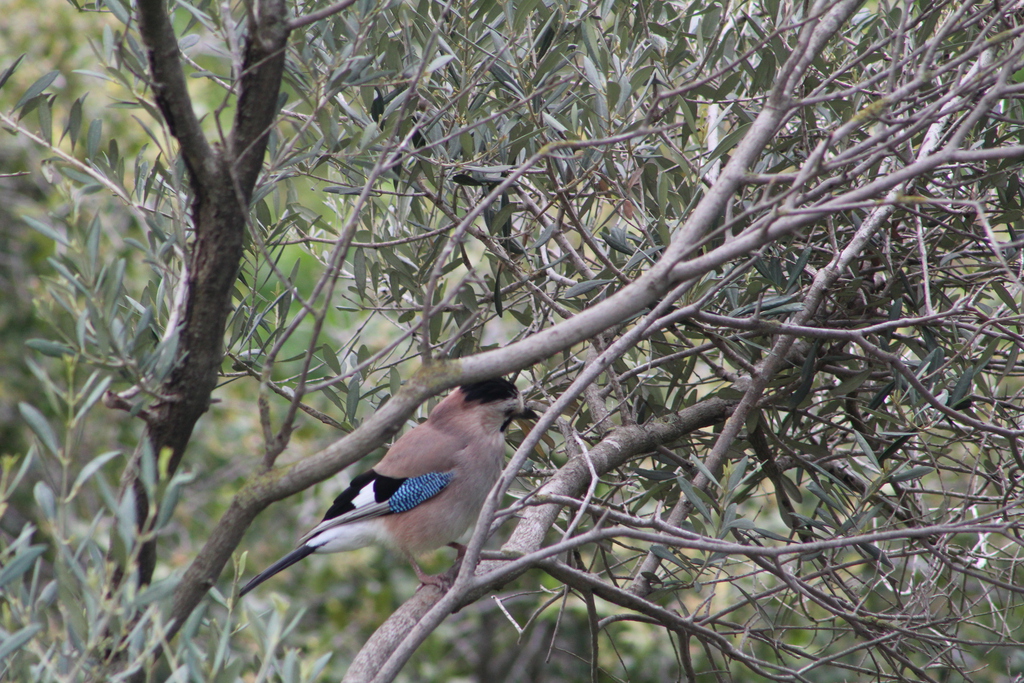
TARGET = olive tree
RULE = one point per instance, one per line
(756, 263)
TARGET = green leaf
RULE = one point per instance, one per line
(92, 142)
(544, 236)
(806, 376)
(318, 667)
(171, 497)
(94, 396)
(851, 384)
(497, 293)
(895, 445)
(10, 70)
(506, 80)
(45, 114)
(741, 523)
(118, 10)
(727, 143)
(1011, 302)
(912, 473)
(645, 255)
(332, 396)
(342, 189)
(126, 519)
(501, 222)
(581, 288)
(37, 422)
(438, 63)
(963, 386)
(664, 553)
(616, 239)
(694, 498)
(769, 303)
(39, 86)
(465, 178)
(15, 641)
(46, 230)
(797, 269)
(820, 493)
(736, 475)
(792, 489)
(770, 534)
(879, 398)
(330, 358)
(655, 475)
(45, 500)
(359, 271)
(91, 468)
(875, 553)
(21, 563)
(702, 468)
(865, 448)
(157, 591)
(352, 402)
(50, 348)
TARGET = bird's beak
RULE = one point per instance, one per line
(527, 414)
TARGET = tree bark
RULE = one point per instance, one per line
(222, 178)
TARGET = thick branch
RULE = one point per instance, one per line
(260, 84)
(222, 183)
(171, 90)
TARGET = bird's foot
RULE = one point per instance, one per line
(440, 581)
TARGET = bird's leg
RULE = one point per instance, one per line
(426, 579)
(442, 581)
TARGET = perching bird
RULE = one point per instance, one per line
(429, 487)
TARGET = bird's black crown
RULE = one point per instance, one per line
(489, 391)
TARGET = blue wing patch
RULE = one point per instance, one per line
(416, 490)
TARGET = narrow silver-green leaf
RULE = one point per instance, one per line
(45, 500)
(46, 230)
(21, 563)
(581, 288)
(912, 473)
(40, 427)
(10, 70)
(41, 84)
(91, 468)
(16, 640)
(49, 348)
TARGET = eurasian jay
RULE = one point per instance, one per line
(429, 487)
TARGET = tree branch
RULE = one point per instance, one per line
(171, 90)
(222, 183)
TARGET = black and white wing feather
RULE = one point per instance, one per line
(369, 495)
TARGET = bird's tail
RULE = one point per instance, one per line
(285, 562)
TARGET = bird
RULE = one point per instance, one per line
(427, 489)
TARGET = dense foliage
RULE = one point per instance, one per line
(761, 259)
